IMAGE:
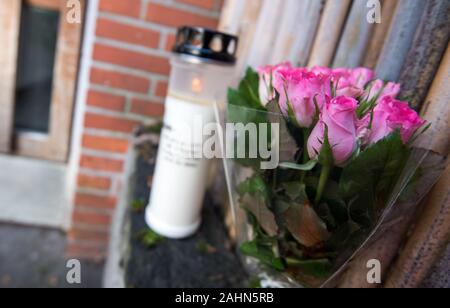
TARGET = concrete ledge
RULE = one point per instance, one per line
(32, 192)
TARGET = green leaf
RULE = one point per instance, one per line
(264, 216)
(205, 248)
(304, 167)
(247, 94)
(365, 105)
(318, 268)
(342, 235)
(249, 88)
(377, 167)
(138, 205)
(149, 238)
(367, 181)
(263, 253)
(235, 98)
(254, 283)
(335, 203)
(245, 107)
(254, 186)
(247, 116)
(255, 199)
(288, 145)
(295, 191)
(304, 224)
(326, 153)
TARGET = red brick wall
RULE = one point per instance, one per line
(128, 83)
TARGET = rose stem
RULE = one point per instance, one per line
(305, 154)
(324, 175)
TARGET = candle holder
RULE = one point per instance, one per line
(202, 67)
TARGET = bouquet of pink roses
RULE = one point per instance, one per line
(344, 140)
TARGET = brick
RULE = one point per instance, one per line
(126, 33)
(147, 108)
(119, 80)
(128, 7)
(105, 100)
(172, 17)
(107, 144)
(170, 43)
(111, 123)
(161, 89)
(131, 59)
(81, 251)
(95, 182)
(97, 202)
(204, 4)
(102, 164)
(83, 234)
(90, 218)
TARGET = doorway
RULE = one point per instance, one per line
(39, 61)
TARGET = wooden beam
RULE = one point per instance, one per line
(265, 34)
(300, 23)
(330, 29)
(400, 38)
(10, 11)
(240, 18)
(437, 111)
(379, 33)
(356, 36)
(268, 29)
(428, 240)
(428, 48)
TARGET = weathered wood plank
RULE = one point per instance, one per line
(305, 23)
(428, 48)
(294, 45)
(265, 36)
(428, 240)
(240, 18)
(437, 111)
(272, 31)
(330, 29)
(400, 38)
(355, 38)
(379, 33)
(9, 40)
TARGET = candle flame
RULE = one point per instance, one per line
(197, 86)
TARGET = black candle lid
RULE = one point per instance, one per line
(206, 44)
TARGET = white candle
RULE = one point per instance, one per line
(181, 173)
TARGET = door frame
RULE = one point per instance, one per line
(55, 144)
(9, 38)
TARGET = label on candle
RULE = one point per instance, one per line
(180, 177)
(182, 135)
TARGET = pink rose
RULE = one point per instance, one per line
(390, 89)
(298, 90)
(389, 115)
(361, 76)
(321, 70)
(351, 82)
(339, 115)
(266, 90)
